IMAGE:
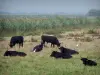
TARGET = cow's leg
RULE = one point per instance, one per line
(44, 43)
(22, 44)
(19, 45)
(15, 46)
(53, 45)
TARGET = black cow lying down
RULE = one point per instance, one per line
(14, 53)
(67, 50)
(64, 53)
(56, 54)
(38, 48)
(16, 40)
(50, 39)
(88, 62)
(60, 55)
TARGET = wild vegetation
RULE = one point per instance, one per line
(78, 33)
(50, 24)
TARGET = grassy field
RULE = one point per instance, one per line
(41, 63)
(79, 33)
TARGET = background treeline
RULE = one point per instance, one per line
(32, 25)
(94, 12)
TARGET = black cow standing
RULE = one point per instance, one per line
(16, 40)
(50, 39)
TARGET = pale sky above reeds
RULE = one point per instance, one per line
(49, 6)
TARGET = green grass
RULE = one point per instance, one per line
(42, 64)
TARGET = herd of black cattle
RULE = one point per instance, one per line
(64, 53)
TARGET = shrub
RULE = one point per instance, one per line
(76, 34)
(33, 40)
(91, 31)
(83, 39)
(2, 38)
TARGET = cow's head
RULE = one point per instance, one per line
(11, 45)
(53, 53)
(84, 59)
(58, 44)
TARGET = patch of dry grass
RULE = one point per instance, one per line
(76, 34)
(91, 31)
(83, 39)
(34, 40)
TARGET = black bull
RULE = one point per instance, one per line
(50, 39)
(16, 40)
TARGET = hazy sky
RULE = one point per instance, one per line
(49, 6)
